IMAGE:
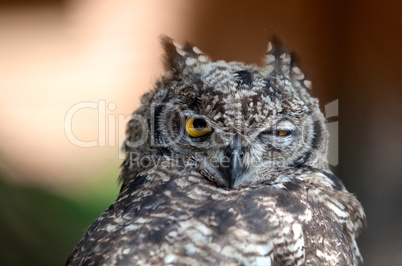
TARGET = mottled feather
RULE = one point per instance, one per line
(255, 189)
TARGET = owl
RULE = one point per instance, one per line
(226, 164)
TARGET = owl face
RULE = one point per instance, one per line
(234, 120)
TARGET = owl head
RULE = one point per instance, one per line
(238, 124)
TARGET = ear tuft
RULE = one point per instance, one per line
(181, 59)
(277, 58)
(171, 53)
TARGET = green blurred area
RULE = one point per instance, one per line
(39, 227)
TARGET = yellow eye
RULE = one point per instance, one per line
(283, 133)
(197, 127)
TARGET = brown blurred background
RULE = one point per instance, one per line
(55, 54)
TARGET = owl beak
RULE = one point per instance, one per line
(235, 168)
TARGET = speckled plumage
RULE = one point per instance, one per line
(255, 190)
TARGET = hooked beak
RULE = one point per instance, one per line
(235, 166)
